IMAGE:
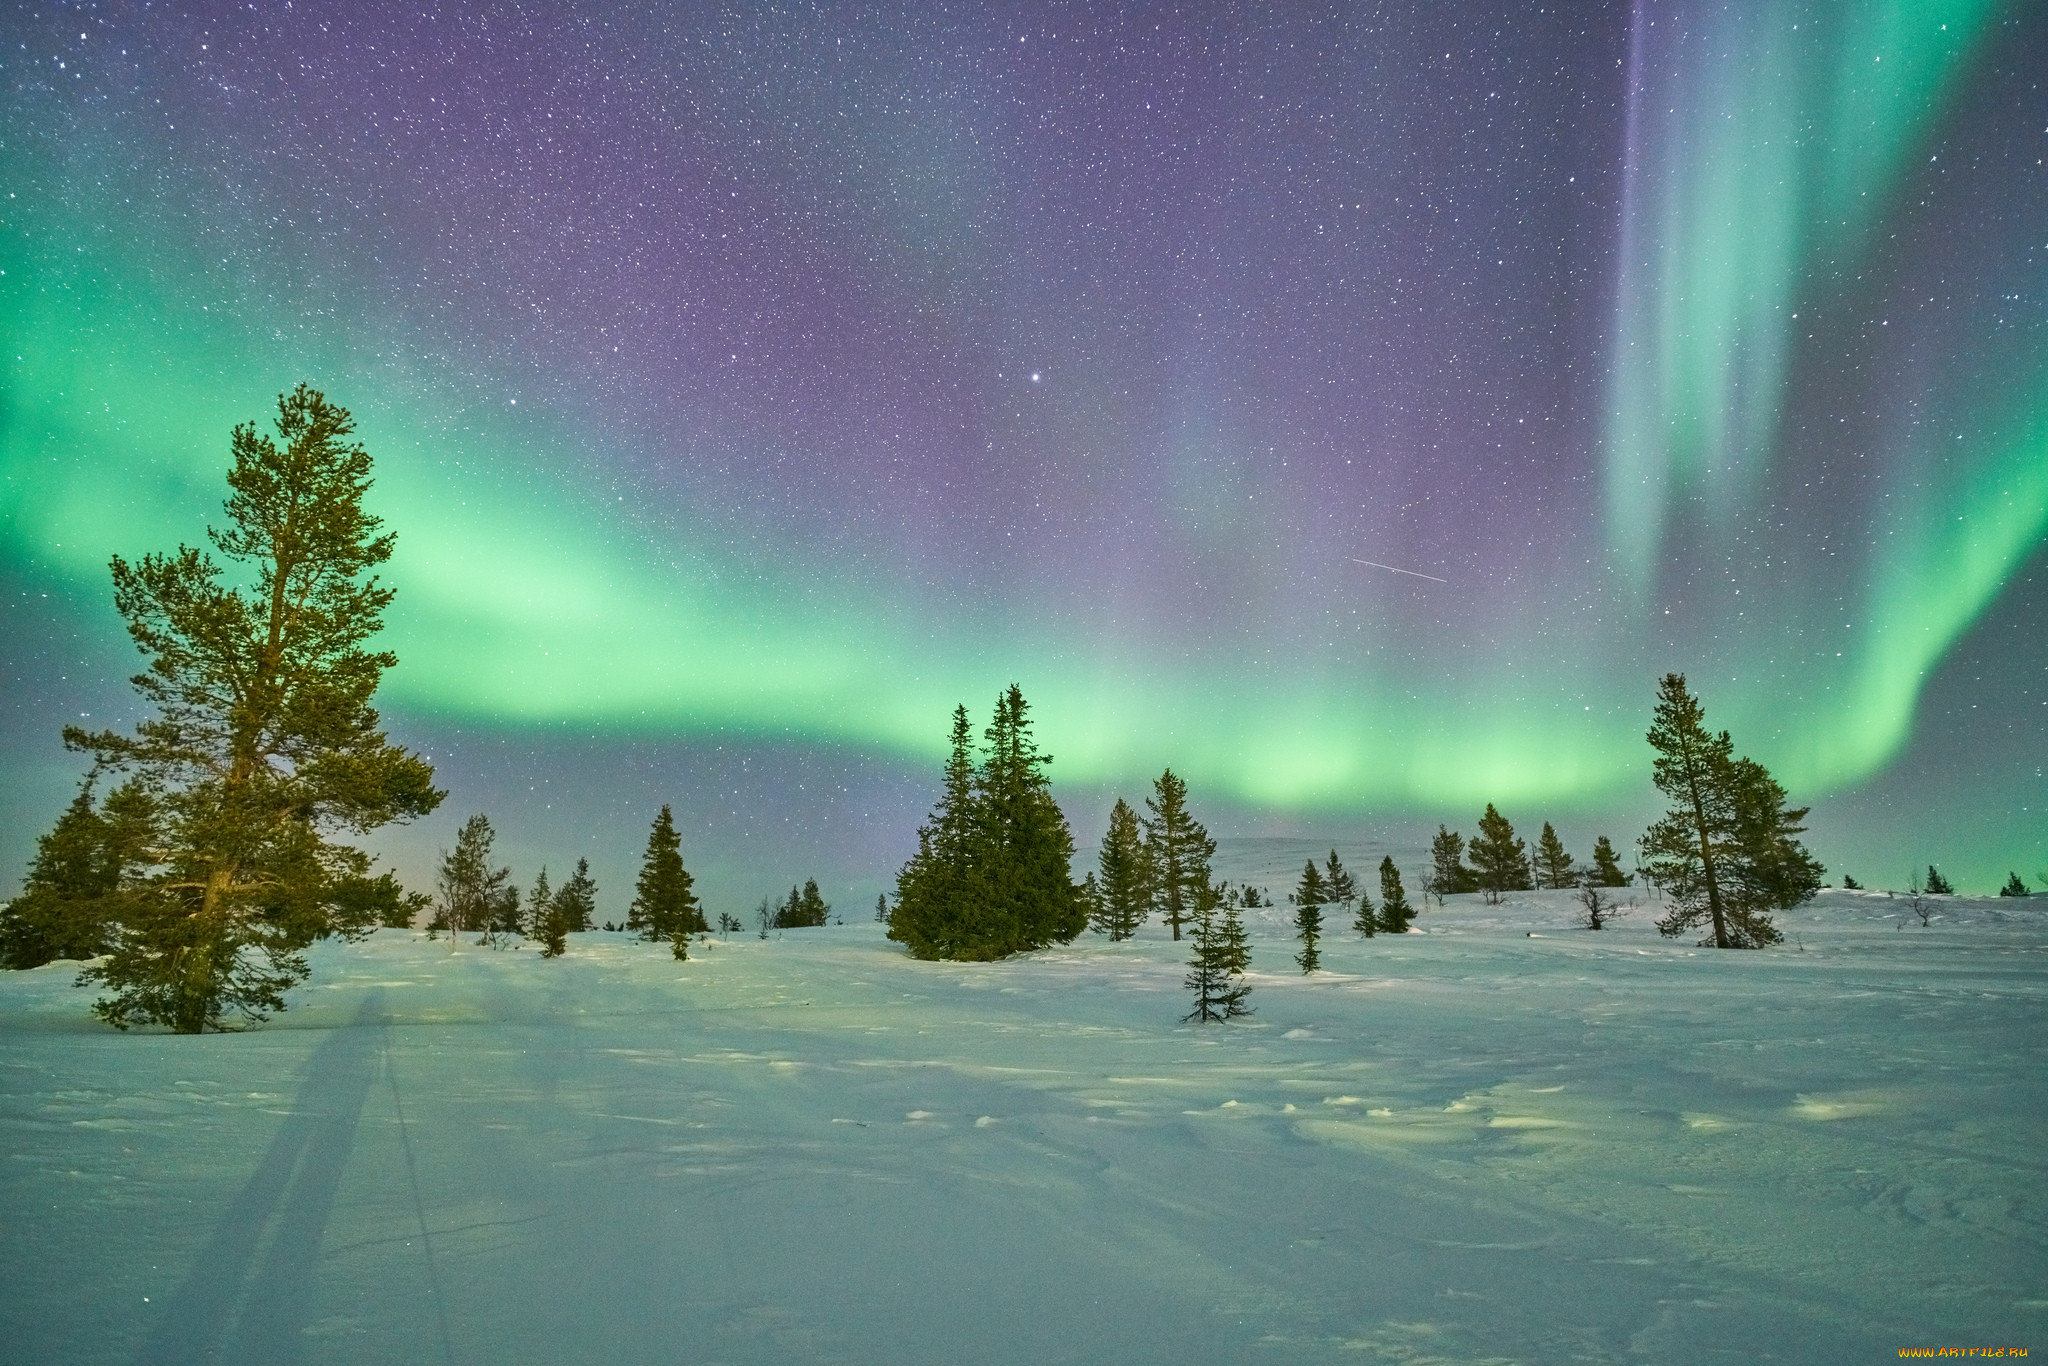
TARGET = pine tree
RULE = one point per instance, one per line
(1340, 889)
(471, 891)
(1606, 866)
(1177, 851)
(1311, 894)
(2015, 886)
(1221, 955)
(546, 924)
(1500, 861)
(1396, 915)
(70, 900)
(1553, 865)
(577, 899)
(881, 909)
(264, 745)
(1123, 890)
(1447, 856)
(992, 874)
(812, 910)
(1724, 852)
(1937, 885)
(664, 904)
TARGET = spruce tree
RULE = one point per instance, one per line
(1937, 885)
(70, 900)
(1340, 889)
(577, 899)
(2015, 885)
(664, 904)
(812, 910)
(1123, 889)
(1396, 915)
(1447, 857)
(1500, 861)
(992, 874)
(264, 747)
(1311, 894)
(881, 909)
(1177, 851)
(1553, 865)
(1606, 867)
(939, 895)
(1724, 852)
(471, 891)
(1221, 955)
(546, 923)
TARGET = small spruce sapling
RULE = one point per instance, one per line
(577, 899)
(1937, 885)
(1851, 884)
(1340, 889)
(1221, 955)
(2014, 886)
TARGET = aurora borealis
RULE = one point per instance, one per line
(749, 385)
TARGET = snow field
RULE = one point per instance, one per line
(1503, 1139)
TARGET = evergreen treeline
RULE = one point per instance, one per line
(992, 873)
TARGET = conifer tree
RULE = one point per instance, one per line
(1221, 955)
(881, 908)
(1724, 852)
(264, 747)
(2015, 885)
(577, 899)
(940, 901)
(1396, 915)
(471, 891)
(1177, 851)
(664, 902)
(1122, 890)
(546, 923)
(71, 899)
(1606, 866)
(1311, 894)
(1937, 885)
(1447, 856)
(1500, 861)
(1340, 889)
(812, 910)
(992, 874)
(1553, 865)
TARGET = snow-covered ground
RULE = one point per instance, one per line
(1503, 1139)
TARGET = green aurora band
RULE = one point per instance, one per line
(528, 597)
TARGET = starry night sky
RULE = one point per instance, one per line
(749, 385)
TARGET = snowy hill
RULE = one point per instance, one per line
(1500, 1139)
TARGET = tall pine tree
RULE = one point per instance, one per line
(1177, 851)
(1725, 852)
(1500, 861)
(1448, 873)
(993, 872)
(264, 747)
(472, 892)
(664, 904)
(577, 899)
(1553, 865)
(1123, 887)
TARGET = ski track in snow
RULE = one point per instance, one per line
(1498, 1139)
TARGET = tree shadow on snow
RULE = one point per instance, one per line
(249, 1292)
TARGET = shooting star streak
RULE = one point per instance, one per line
(1409, 572)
